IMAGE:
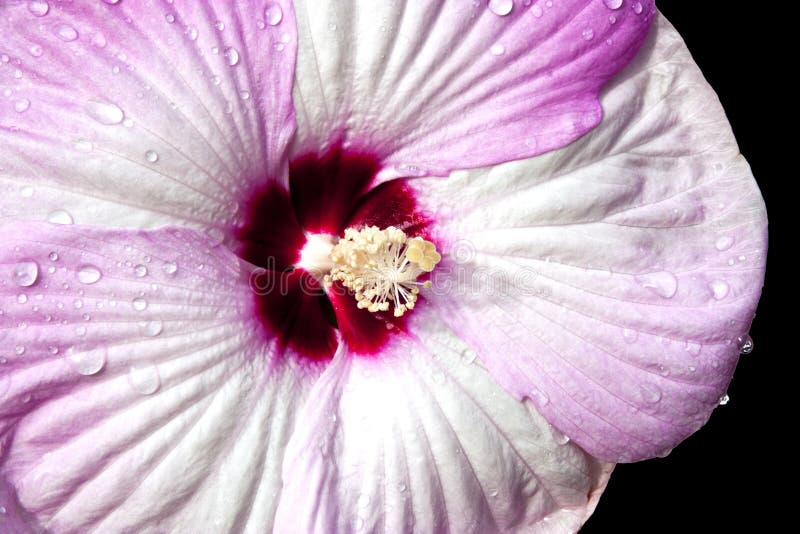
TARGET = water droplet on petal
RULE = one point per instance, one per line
(170, 267)
(65, 32)
(588, 34)
(26, 192)
(53, 256)
(273, 14)
(693, 348)
(630, 336)
(140, 271)
(39, 8)
(539, 398)
(59, 217)
(231, 55)
(89, 274)
(537, 11)
(139, 304)
(192, 33)
(662, 283)
(725, 399)
(26, 273)
(613, 4)
(219, 25)
(745, 344)
(144, 379)
(719, 288)
(104, 112)
(19, 350)
(22, 105)
(169, 17)
(151, 156)
(637, 8)
(87, 362)
(650, 393)
(216, 235)
(468, 356)
(497, 49)
(501, 7)
(152, 328)
(363, 500)
(22, 298)
(724, 243)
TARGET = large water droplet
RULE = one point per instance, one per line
(724, 243)
(89, 274)
(39, 8)
(26, 273)
(144, 379)
(231, 55)
(719, 288)
(501, 7)
(662, 283)
(87, 362)
(273, 14)
(151, 156)
(59, 217)
(104, 112)
(650, 393)
(65, 32)
(745, 344)
(613, 4)
(151, 328)
(22, 105)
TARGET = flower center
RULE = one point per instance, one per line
(381, 267)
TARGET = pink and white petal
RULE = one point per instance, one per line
(136, 393)
(142, 113)
(430, 86)
(610, 281)
(424, 440)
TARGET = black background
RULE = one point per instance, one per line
(728, 477)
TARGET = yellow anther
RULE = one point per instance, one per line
(381, 267)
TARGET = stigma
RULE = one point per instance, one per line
(381, 267)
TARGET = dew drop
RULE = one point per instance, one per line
(89, 274)
(104, 112)
(693, 348)
(662, 283)
(745, 344)
(192, 33)
(80, 331)
(613, 4)
(468, 356)
(22, 105)
(151, 328)
(65, 32)
(245, 95)
(231, 55)
(501, 7)
(19, 350)
(650, 393)
(26, 273)
(588, 34)
(637, 8)
(53, 256)
(725, 399)
(630, 336)
(363, 500)
(39, 8)
(497, 49)
(144, 379)
(537, 11)
(151, 156)
(87, 362)
(22, 298)
(59, 217)
(273, 14)
(724, 243)
(219, 25)
(169, 17)
(719, 288)
(170, 267)
(139, 304)
(140, 271)
(612, 19)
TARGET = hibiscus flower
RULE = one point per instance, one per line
(391, 287)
